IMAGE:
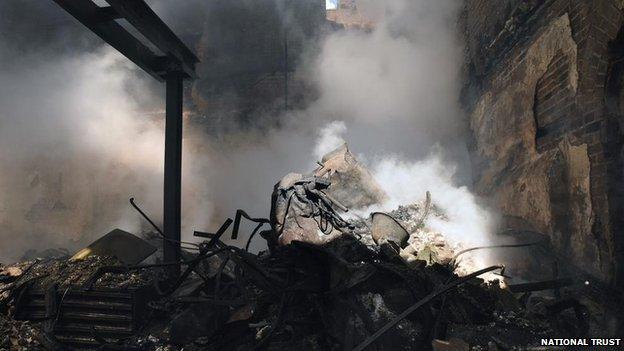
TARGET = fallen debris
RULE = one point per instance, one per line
(352, 183)
(330, 280)
(126, 247)
(299, 296)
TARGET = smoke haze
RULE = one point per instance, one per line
(81, 129)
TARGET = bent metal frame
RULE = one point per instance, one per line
(172, 64)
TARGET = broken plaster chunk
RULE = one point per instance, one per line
(13, 271)
(428, 246)
(451, 345)
(352, 184)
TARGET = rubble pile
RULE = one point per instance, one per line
(19, 335)
(310, 297)
(64, 273)
(329, 280)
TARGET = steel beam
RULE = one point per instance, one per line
(105, 14)
(141, 17)
(91, 15)
(176, 64)
(173, 168)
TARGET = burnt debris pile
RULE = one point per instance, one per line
(329, 279)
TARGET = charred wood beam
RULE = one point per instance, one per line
(544, 285)
(94, 18)
(141, 16)
(51, 308)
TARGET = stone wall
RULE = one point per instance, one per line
(547, 141)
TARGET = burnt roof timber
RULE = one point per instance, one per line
(143, 18)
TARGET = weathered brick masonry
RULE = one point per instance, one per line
(544, 93)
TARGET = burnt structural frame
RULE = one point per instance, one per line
(175, 63)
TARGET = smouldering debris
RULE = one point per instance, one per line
(328, 281)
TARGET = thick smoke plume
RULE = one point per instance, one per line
(81, 130)
(74, 144)
(395, 95)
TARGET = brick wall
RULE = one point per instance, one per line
(584, 116)
(554, 102)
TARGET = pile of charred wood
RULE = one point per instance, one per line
(326, 281)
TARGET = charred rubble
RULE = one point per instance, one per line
(330, 279)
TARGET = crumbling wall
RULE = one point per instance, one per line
(542, 150)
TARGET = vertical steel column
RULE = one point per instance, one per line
(173, 170)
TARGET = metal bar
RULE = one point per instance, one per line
(177, 63)
(141, 16)
(237, 220)
(91, 15)
(173, 170)
(105, 14)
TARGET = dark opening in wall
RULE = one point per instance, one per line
(554, 101)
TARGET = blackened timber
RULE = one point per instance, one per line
(173, 169)
(90, 15)
(543, 285)
(141, 16)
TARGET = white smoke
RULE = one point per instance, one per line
(81, 132)
(330, 138)
(407, 182)
(393, 96)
